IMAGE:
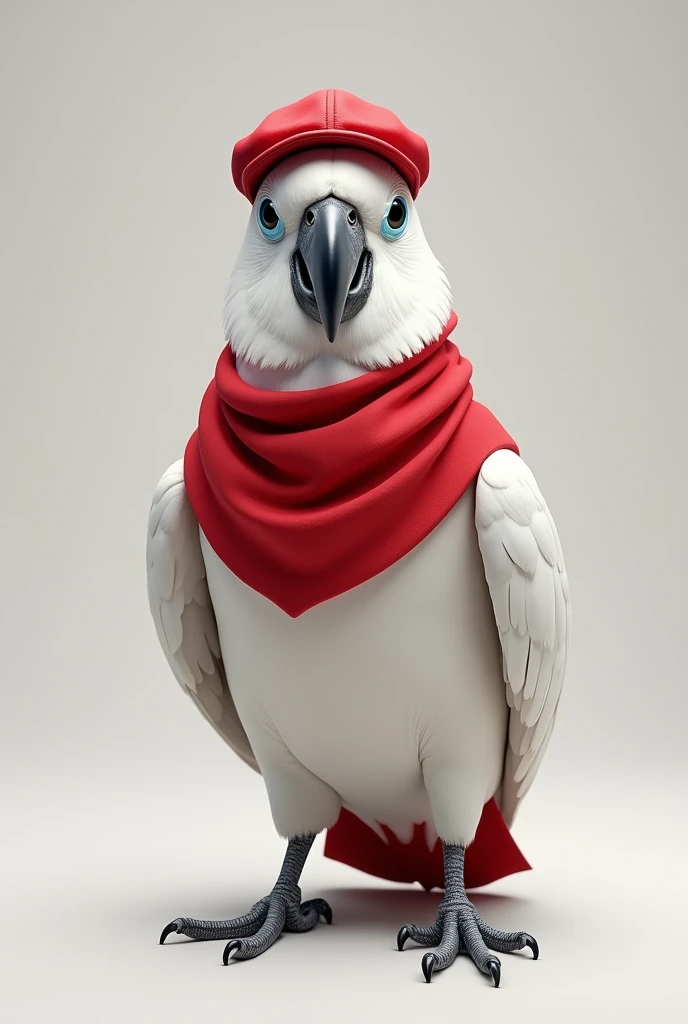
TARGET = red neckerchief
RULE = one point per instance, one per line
(306, 494)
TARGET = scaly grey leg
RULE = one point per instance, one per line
(459, 928)
(281, 911)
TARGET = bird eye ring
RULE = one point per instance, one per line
(395, 219)
(269, 221)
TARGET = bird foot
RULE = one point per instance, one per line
(460, 929)
(257, 930)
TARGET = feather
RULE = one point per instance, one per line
(519, 649)
(517, 603)
(182, 610)
(534, 663)
(530, 597)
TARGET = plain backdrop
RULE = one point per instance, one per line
(557, 204)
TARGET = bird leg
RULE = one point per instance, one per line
(282, 910)
(460, 929)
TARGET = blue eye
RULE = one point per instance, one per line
(269, 221)
(395, 219)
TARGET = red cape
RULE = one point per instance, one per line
(304, 495)
(492, 854)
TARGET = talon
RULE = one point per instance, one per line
(321, 907)
(173, 926)
(531, 943)
(403, 937)
(495, 969)
(230, 949)
(428, 965)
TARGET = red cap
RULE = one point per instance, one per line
(329, 117)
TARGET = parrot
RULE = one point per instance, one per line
(352, 572)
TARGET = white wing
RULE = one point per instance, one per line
(525, 572)
(181, 608)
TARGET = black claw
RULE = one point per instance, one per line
(403, 937)
(173, 926)
(428, 965)
(495, 969)
(229, 949)
(321, 907)
(531, 943)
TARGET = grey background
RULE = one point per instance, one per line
(557, 203)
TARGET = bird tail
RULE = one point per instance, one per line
(493, 853)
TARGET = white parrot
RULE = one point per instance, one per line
(428, 689)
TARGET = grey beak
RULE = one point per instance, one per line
(331, 269)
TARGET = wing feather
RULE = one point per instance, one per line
(182, 610)
(526, 576)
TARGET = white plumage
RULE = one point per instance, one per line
(183, 615)
(524, 568)
(408, 306)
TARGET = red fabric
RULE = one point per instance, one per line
(492, 854)
(306, 494)
(329, 117)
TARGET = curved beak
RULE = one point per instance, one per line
(331, 268)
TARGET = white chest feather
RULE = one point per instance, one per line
(367, 689)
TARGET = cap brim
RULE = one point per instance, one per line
(255, 171)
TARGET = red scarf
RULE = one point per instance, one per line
(306, 494)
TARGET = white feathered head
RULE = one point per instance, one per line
(334, 262)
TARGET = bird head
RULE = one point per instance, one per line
(334, 262)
